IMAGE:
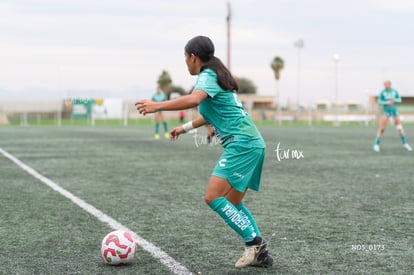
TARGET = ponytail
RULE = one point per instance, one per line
(224, 77)
(203, 47)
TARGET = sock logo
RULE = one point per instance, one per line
(234, 216)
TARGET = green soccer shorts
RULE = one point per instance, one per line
(241, 166)
(390, 112)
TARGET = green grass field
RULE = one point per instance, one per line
(340, 209)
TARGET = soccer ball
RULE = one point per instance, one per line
(118, 248)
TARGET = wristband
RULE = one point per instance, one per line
(188, 126)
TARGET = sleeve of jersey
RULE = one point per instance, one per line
(207, 82)
(397, 97)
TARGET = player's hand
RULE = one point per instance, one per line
(146, 106)
(174, 133)
(390, 102)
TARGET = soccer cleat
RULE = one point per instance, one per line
(251, 254)
(376, 148)
(408, 147)
(167, 135)
(263, 260)
(157, 136)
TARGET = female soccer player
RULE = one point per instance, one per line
(388, 99)
(159, 116)
(240, 165)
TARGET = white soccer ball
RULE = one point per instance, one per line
(118, 248)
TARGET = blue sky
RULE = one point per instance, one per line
(118, 48)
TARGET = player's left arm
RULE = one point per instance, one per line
(195, 123)
(397, 98)
(146, 106)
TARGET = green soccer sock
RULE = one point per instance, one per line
(165, 126)
(378, 140)
(403, 140)
(249, 217)
(237, 221)
(157, 128)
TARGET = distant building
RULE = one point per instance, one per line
(251, 102)
(322, 105)
(353, 106)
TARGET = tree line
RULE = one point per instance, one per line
(246, 86)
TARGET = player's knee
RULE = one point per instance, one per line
(399, 128)
(209, 198)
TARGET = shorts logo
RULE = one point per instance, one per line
(222, 162)
(238, 175)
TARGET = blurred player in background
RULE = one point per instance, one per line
(181, 116)
(240, 166)
(388, 99)
(160, 96)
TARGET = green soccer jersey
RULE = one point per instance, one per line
(158, 97)
(225, 113)
(385, 96)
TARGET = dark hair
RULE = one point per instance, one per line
(203, 47)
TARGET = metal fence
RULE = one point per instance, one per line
(36, 112)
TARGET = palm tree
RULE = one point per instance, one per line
(277, 65)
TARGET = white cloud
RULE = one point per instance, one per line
(399, 6)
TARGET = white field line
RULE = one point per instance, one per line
(155, 251)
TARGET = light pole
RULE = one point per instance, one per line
(299, 44)
(336, 104)
(61, 95)
(228, 19)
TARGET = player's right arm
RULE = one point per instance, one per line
(145, 106)
(195, 123)
(381, 99)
